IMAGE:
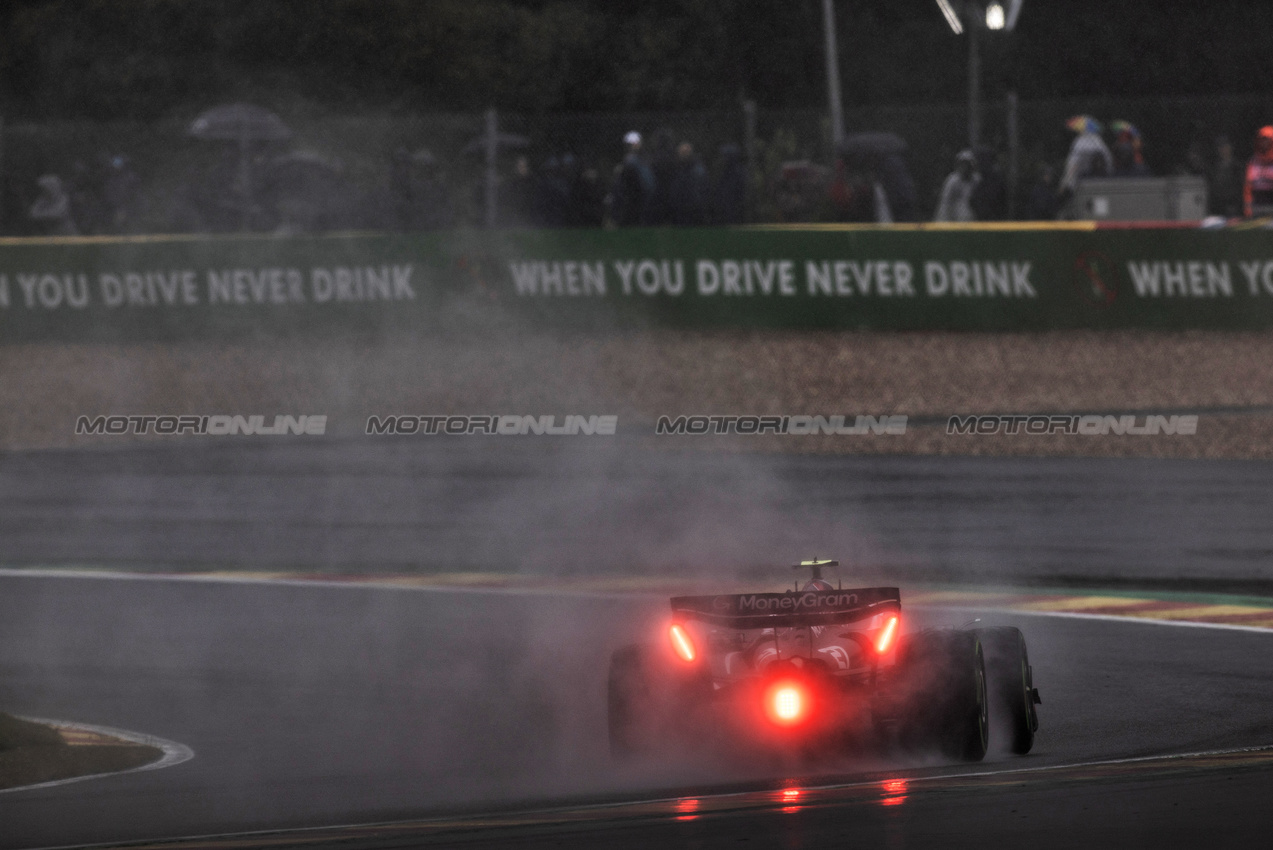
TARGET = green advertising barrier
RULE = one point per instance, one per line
(916, 278)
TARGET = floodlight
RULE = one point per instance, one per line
(996, 18)
(951, 18)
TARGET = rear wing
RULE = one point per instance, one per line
(793, 608)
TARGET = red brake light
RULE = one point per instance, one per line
(681, 642)
(885, 640)
(786, 703)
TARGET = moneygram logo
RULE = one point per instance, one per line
(506, 425)
(216, 425)
(804, 602)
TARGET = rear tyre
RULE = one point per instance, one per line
(967, 728)
(1011, 686)
(941, 696)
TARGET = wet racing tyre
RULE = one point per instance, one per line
(942, 694)
(967, 727)
(1013, 696)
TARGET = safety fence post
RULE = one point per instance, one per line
(492, 167)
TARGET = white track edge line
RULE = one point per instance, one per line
(174, 753)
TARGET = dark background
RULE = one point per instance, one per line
(146, 59)
(360, 82)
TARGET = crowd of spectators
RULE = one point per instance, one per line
(672, 186)
(1234, 189)
(657, 181)
(97, 197)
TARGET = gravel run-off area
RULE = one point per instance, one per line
(1225, 378)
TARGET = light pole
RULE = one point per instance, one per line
(974, 84)
(833, 74)
(975, 15)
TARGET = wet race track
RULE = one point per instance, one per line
(311, 704)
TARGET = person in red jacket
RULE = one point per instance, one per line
(1258, 189)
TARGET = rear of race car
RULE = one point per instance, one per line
(799, 670)
(818, 672)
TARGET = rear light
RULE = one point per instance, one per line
(681, 642)
(887, 634)
(787, 703)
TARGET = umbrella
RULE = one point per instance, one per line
(305, 187)
(872, 144)
(304, 171)
(309, 160)
(1084, 124)
(242, 123)
(1119, 126)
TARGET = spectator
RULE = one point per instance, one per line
(1257, 192)
(633, 193)
(52, 209)
(119, 192)
(729, 192)
(989, 199)
(1089, 155)
(895, 189)
(856, 193)
(956, 193)
(687, 193)
(663, 165)
(84, 188)
(400, 194)
(517, 196)
(586, 207)
(797, 190)
(306, 192)
(552, 194)
(1195, 160)
(430, 196)
(1044, 202)
(216, 197)
(850, 194)
(1129, 161)
(418, 189)
(871, 181)
(1224, 188)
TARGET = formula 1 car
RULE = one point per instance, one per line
(816, 670)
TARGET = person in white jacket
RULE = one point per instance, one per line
(1089, 155)
(956, 192)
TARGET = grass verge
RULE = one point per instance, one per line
(31, 753)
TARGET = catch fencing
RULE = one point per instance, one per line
(409, 173)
